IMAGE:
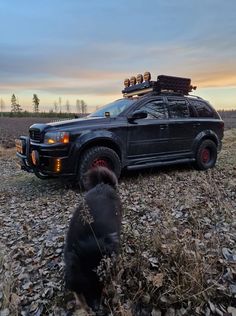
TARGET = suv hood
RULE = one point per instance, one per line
(70, 124)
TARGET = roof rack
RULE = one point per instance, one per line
(136, 85)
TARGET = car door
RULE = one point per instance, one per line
(181, 126)
(148, 138)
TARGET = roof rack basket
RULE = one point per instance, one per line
(164, 83)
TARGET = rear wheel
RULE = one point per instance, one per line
(206, 155)
(99, 156)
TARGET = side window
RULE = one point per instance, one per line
(155, 109)
(203, 109)
(178, 108)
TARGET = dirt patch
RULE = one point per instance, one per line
(178, 252)
(13, 127)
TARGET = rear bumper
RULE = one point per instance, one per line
(56, 161)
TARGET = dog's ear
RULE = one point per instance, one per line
(99, 175)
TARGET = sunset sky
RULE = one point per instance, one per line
(77, 49)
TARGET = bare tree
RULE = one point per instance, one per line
(78, 106)
(67, 106)
(59, 103)
(55, 106)
(83, 107)
(2, 106)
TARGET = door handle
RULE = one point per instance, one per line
(163, 126)
(196, 124)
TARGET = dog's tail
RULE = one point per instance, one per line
(99, 175)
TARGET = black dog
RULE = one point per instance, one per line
(94, 232)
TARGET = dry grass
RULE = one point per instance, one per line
(9, 152)
(176, 223)
(7, 284)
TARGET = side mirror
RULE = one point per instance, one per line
(137, 115)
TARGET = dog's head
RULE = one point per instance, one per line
(99, 175)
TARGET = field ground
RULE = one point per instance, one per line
(13, 127)
(178, 252)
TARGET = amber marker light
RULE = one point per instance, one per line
(65, 138)
(58, 165)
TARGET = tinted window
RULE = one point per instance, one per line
(178, 108)
(203, 109)
(155, 109)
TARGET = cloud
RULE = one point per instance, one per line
(100, 69)
(88, 48)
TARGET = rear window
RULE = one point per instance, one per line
(178, 108)
(202, 108)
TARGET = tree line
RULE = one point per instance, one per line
(16, 108)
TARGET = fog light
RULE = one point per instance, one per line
(58, 165)
(35, 157)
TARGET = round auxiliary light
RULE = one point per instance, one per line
(139, 78)
(126, 83)
(147, 76)
(132, 81)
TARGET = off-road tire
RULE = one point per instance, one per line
(92, 155)
(206, 155)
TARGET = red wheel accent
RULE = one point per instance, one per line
(205, 155)
(100, 162)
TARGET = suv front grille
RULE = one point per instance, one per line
(35, 135)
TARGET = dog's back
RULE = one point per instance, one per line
(94, 231)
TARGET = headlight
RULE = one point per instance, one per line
(56, 137)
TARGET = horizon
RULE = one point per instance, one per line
(84, 50)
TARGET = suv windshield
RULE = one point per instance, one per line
(114, 108)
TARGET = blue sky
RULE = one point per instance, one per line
(78, 49)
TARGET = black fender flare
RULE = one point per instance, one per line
(206, 134)
(103, 138)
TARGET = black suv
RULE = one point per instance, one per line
(156, 123)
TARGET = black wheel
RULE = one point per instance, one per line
(99, 156)
(206, 155)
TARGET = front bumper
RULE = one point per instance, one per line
(52, 160)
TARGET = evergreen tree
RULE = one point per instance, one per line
(36, 103)
(15, 106)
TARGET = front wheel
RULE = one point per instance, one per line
(206, 155)
(99, 156)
